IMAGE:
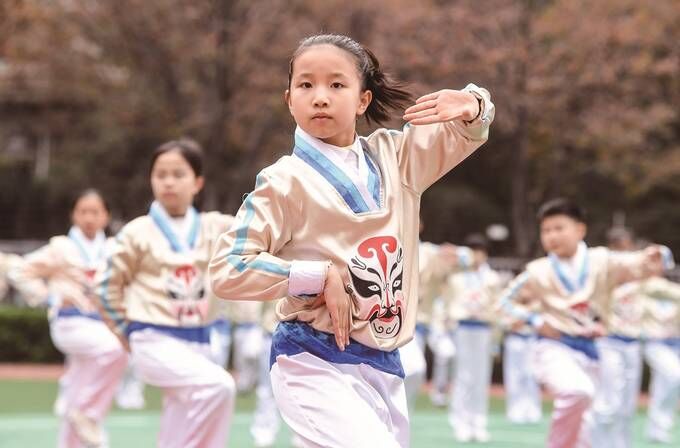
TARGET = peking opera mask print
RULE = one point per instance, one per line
(186, 290)
(376, 272)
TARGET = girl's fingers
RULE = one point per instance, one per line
(337, 328)
(422, 114)
(420, 106)
(428, 97)
(426, 120)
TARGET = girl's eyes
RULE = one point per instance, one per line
(308, 85)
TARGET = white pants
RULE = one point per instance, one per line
(522, 392)
(247, 351)
(571, 377)
(96, 362)
(664, 390)
(198, 395)
(220, 342)
(443, 349)
(340, 405)
(469, 407)
(617, 394)
(413, 362)
(266, 419)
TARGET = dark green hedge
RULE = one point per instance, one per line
(25, 336)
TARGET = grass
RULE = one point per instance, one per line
(26, 421)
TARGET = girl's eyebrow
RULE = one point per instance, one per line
(310, 75)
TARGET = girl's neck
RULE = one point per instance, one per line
(176, 212)
(341, 140)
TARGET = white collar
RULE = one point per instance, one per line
(338, 152)
(93, 248)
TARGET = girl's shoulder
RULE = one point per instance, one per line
(216, 220)
(136, 227)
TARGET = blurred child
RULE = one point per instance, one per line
(661, 327)
(62, 274)
(573, 287)
(155, 294)
(472, 299)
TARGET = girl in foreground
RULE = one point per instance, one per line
(333, 229)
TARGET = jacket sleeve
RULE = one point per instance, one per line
(427, 152)
(638, 265)
(31, 277)
(120, 269)
(516, 296)
(244, 265)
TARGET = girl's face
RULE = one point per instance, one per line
(90, 215)
(325, 95)
(174, 182)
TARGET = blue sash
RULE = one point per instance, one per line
(190, 334)
(292, 338)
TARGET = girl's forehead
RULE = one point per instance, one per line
(172, 158)
(324, 59)
(90, 200)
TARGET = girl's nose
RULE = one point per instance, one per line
(320, 99)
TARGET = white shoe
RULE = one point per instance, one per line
(438, 399)
(659, 438)
(264, 441)
(130, 401)
(463, 435)
(59, 407)
(88, 431)
(482, 435)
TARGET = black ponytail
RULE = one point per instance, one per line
(388, 93)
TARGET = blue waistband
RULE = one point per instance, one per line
(422, 329)
(472, 323)
(222, 325)
(292, 338)
(622, 338)
(191, 334)
(75, 312)
(579, 343)
(673, 342)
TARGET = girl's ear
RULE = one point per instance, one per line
(286, 98)
(365, 98)
(198, 185)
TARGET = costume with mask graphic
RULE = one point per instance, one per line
(661, 330)
(62, 274)
(150, 281)
(305, 209)
(154, 291)
(574, 297)
(472, 299)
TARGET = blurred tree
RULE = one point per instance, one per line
(586, 97)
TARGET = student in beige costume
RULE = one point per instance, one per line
(62, 274)
(333, 231)
(155, 294)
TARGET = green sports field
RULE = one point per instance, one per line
(26, 421)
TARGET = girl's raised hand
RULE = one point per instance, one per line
(444, 105)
